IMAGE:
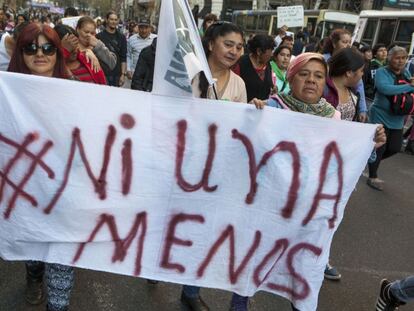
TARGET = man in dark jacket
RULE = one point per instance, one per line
(144, 70)
(116, 42)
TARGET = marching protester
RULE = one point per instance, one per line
(38, 52)
(2, 20)
(209, 19)
(115, 41)
(283, 32)
(307, 79)
(223, 46)
(7, 46)
(367, 78)
(279, 64)
(254, 68)
(83, 65)
(21, 18)
(144, 70)
(381, 112)
(136, 43)
(346, 68)
(86, 31)
(339, 39)
(132, 29)
(395, 294)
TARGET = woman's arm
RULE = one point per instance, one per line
(384, 83)
(105, 55)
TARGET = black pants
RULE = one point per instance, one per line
(391, 147)
(112, 80)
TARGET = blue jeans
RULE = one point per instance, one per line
(403, 289)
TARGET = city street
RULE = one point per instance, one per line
(375, 240)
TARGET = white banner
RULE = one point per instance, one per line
(191, 191)
(291, 16)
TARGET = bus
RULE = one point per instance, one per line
(387, 27)
(320, 23)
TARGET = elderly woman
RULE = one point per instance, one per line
(254, 68)
(380, 111)
(307, 78)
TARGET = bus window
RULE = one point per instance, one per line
(275, 30)
(311, 24)
(251, 23)
(369, 33)
(386, 31)
(319, 30)
(405, 31)
(263, 24)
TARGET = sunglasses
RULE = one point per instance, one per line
(48, 49)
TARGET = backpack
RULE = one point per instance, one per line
(402, 104)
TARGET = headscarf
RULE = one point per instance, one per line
(296, 65)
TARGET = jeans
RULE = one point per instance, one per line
(191, 291)
(403, 289)
(59, 281)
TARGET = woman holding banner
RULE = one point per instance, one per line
(223, 45)
(307, 78)
(38, 52)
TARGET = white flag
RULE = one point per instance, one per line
(180, 55)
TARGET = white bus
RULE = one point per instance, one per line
(319, 22)
(387, 27)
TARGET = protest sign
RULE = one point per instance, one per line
(71, 21)
(291, 16)
(191, 191)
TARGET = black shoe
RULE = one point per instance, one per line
(385, 300)
(410, 147)
(152, 282)
(34, 293)
(194, 304)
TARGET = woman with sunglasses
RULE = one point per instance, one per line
(38, 52)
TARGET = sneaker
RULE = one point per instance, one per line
(385, 300)
(331, 273)
(194, 304)
(376, 183)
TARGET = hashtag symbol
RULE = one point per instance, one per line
(22, 154)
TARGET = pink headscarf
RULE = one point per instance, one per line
(301, 60)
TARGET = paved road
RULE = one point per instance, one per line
(375, 240)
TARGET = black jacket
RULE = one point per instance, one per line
(144, 71)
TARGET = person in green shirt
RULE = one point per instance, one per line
(279, 64)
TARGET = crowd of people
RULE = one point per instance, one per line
(335, 80)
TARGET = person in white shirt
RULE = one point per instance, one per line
(136, 43)
(7, 44)
(283, 31)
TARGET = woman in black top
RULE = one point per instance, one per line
(254, 68)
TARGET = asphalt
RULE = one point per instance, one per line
(375, 240)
